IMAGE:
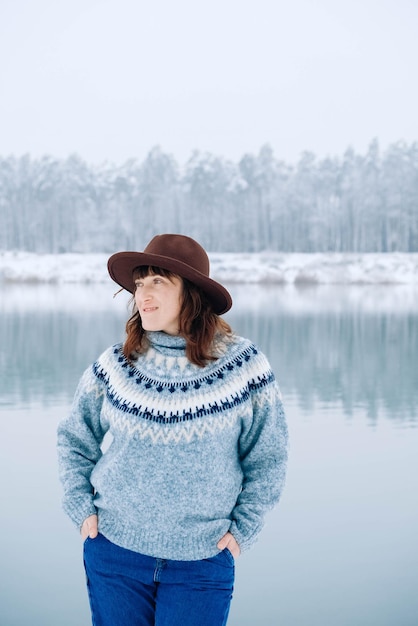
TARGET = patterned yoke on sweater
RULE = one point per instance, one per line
(190, 453)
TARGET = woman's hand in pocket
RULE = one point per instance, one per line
(229, 541)
(89, 527)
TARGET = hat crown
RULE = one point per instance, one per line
(181, 248)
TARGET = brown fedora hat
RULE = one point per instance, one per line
(179, 254)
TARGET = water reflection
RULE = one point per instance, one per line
(49, 335)
(357, 347)
(358, 360)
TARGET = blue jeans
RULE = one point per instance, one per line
(130, 589)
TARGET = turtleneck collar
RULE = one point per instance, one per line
(162, 342)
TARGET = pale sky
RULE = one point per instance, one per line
(110, 79)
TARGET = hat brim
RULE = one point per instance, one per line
(122, 264)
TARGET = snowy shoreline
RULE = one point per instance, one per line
(263, 268)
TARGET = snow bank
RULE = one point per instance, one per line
(263, 268)
(24, 267)
(311, 269)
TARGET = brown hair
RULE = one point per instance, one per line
(198, 323)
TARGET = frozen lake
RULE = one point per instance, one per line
(341, 547)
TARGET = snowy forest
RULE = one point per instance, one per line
(353, 203)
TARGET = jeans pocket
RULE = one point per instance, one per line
(229, 555)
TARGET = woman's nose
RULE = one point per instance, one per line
(146, 293)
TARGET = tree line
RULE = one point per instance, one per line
(353, 203)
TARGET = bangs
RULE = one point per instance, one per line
(151, 270)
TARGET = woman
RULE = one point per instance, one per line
(197, 453)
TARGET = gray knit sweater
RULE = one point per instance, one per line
(191, 452)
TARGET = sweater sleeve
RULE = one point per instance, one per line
(263, 455)
(79, 439)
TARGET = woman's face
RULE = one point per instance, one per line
(159, 300)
